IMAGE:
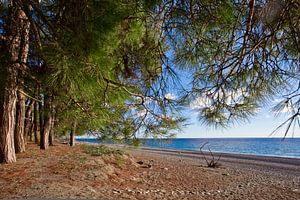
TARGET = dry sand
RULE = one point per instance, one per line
(63, 172)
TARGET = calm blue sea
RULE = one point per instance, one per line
(289, 147)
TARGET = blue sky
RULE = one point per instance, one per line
(261, 125)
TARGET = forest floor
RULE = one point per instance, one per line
(64, 172)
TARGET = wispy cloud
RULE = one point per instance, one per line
(230, 97)
(170, 96)
(200, 102)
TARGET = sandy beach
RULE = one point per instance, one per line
(267, 164)
(64, 172)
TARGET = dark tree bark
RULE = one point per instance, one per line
(35, 122)
(72, 134)
(72, 138)
(41, 120)
(20, 124)
(31, 132)
(28, 121)
(51, 135)
(17, 30)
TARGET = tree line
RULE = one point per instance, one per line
(114, 67)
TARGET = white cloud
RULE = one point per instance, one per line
(230, 97)
(200, 102)
(170, 96)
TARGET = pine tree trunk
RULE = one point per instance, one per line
(7, 118)
(23, 29)
(51, 135)
(41, 120)
(51, 138)
(72, 138)
(16, 29)
(28, 121)
(31, 132)
(20, 124)
(35, 122)
(44, 144)
(72, 134)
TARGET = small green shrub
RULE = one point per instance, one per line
(99, 150)
(119, 160)
(82, 160)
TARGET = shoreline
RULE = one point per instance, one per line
(270, 165)
(293, 161)
(266, 164)
(197, 150)
(274, 158)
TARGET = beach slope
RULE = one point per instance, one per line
(64, 172)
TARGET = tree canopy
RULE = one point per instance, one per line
(114, 67)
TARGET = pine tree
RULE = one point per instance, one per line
(113, 66)
(16, 44)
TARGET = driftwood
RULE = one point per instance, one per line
(213, 162)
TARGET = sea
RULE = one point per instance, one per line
(279, 147)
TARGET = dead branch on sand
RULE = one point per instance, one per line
(213, 162)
